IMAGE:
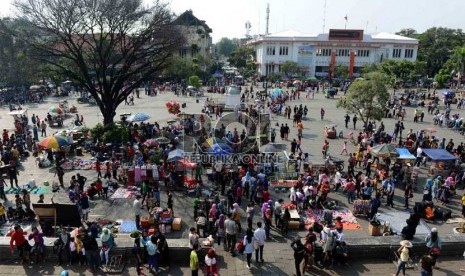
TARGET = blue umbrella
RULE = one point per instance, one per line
(138, 117)
(220, 149)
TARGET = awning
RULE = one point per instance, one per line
(439, 154)
(404, 154)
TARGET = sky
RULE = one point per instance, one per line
(227, 18)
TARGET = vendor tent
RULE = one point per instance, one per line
(175, 155)
(384, 150)
(439, 154)
(404, 154)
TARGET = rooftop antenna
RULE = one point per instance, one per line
(324, 17)
(267, 18)
(248, 26)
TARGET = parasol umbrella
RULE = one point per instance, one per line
(54, 142)
(211, 141)
(384, 150)
(220, 149)
(430, 129)
(163, 140)
(175, 155)
(138, 117)
(296, 82)
(151, 143)
(269, 148)
(55, 110)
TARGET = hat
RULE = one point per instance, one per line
(434, 230)
(106, 231)
(406, 243)
(135, 234)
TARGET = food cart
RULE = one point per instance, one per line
(442, 162)
(187, 171)
(330, 132)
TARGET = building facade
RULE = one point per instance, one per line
(318, 54)
(197, 34)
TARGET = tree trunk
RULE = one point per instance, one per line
(108, 113)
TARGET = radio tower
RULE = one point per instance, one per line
(324, 17)
(267, 18)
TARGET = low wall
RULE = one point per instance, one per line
(367, 248)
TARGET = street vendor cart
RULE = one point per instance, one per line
(442, 162)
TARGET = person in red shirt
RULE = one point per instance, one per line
(266, 195)
(99, 186)
(350, 188)
(98, 168)
(18, 239)
(239, 194)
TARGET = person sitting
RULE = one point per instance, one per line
(341, 253)
(201, 223)
(107, 244)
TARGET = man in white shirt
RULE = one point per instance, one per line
(260, 237)
(419, 157)
(136, 207)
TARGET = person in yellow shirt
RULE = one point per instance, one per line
(2, 213)
(404, 256)
(194, 260)
(463, 206)
(300, 127)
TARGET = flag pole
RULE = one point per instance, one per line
(345, 26)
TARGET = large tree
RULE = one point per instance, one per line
(367, 97)
(436, 46)
(291, 69)
(226, 46)
(110, 47)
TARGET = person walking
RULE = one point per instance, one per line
(344, 148)
(231, 231)
(408, 193)
(346, 120)
(354, 120)
(43, 128)
(63, 242)
(433, 243)
(136, 207)
(13, 174)
(299, 254)
(404, 256)
(194, 260)
(375, 203)
(248, 245)
(260, 237)
(18, 239)
(322, 113)
(152, 251)
(59, 172)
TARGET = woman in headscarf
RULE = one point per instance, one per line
(264, 207)
(220, 230)
(211, 265)
(427, 192)
(237, 215)
(212, 215)
(435, 186)
(107, 244)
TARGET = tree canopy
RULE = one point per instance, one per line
(366, 97)
(291, 69)
(109, 47)
(226, 46)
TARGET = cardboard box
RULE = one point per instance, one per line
(294, 225)
(374, 230)
(177, 224)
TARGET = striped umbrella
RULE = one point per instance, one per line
(54, 142)
(55, 110)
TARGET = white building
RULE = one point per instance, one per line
(317, 53)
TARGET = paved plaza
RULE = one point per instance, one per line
(278, 254)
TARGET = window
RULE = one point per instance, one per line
(270, 51)
(363, 53)
(343, 52)
(323, 52)
(183, 53)
(408, 53)
(269, 69)
(396, 53)
(283, 50)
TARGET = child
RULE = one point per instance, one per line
(344, 148)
